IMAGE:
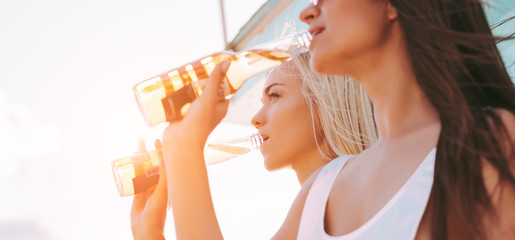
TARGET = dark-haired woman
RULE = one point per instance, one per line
(443, 166)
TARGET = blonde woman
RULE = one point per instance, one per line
(305, 122)
(308, 119)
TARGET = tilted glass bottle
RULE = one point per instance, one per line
(139, 172)
(167, 96)
(227, 149)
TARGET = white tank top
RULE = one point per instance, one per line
(398, 219)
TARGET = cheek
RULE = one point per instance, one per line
(293, 136)
(277, 150)
(295, 119)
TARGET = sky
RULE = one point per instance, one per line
(67, 110)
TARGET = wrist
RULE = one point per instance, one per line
(181, 137)
(180, 151)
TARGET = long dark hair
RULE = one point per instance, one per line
(459, 68)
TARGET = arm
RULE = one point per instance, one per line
(502, 193)
(183, 144)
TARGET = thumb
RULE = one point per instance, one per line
(161, 192)
(215, 80)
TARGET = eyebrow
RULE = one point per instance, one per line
(267, 89)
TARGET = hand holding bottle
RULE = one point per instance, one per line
(149, 208)
(167, 96)
(202, 116)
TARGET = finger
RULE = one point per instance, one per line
(159, 147)
(160, 193)
(161, 189)
(214, 81)
(141, 146)
(221, 110)
(139, 200)
(138, 203)
(158, 201)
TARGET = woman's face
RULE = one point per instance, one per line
(347, 34)
(284, 121)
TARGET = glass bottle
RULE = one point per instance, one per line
(167, 96)
(226, 149)
(139, 172)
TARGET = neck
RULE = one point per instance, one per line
(400, 106)
(307, 165)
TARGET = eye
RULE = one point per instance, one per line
(271, 97)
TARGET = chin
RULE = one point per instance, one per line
(317, 64)
(272, 165)
(328, 65)
(269, 166)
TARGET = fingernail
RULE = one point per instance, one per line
(225, 66)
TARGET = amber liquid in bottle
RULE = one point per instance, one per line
(166, 97)
(227, 149)
(139, 172)
(136, 173)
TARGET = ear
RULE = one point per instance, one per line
(392, 11)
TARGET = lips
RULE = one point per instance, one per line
(264, 137)
(315, 31)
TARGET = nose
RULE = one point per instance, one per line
(309, 13)
(258, 120)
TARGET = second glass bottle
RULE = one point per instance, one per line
(167, 96)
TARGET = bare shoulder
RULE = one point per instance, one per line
(291, 224)
(502, 192)
(508, 119)
(507, 140)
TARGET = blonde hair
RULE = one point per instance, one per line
(340, 107)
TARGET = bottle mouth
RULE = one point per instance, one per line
(258, 140)
(304, 40)
(292, 44)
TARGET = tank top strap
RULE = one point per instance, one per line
(313, 211)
